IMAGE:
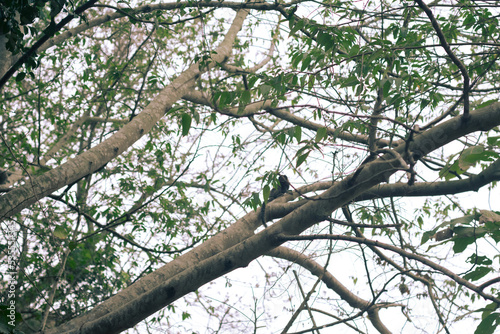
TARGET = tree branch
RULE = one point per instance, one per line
(450, 53)
(402, 252)
(332, 283)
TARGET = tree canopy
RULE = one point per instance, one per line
(141, 142)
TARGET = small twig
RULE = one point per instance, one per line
(436, 308)
(450, 53)
(347, 223)
(374, 119)
(488, 283)
(454, 106)
(311, 316)
(422, 259)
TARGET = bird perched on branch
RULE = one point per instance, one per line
(4, 176)
(281, 189)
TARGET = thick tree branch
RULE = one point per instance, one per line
(473, 183)
(205, 99)
(237, 246)
(400, 189)
(126, 309)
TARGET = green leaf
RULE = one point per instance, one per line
(281, 138)
(60, 232)
(296, 59)
(488, 309)
(359, 90)
(296, 27)
(489, 324)
(310, 83)
(463, 220)
(265, 192)
(470, 19)
(196, 116)
(213, 117)
(225, 99)
(298, 133)
(479, 260)
(252, 80)
(424, 103)
(255, 200)
(469, 157)
(20, 76)
(426, 236)
(354, 50)
(460, 244)
(320, 134)
(351, 81)
(386, 87)
(185, 315)
(450, 171)
(186, 124)
(477, 273)
(245, 97)
(301, 159)
(326, 40)
(306, 62)
(493, 141)
(486, 103)
(265, 89)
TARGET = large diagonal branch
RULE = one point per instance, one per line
(105, 318)
(419, 189)
(93, 159)
(399, 189)
(237, 246)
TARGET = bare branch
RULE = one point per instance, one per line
(450, 53)
(395, 249)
